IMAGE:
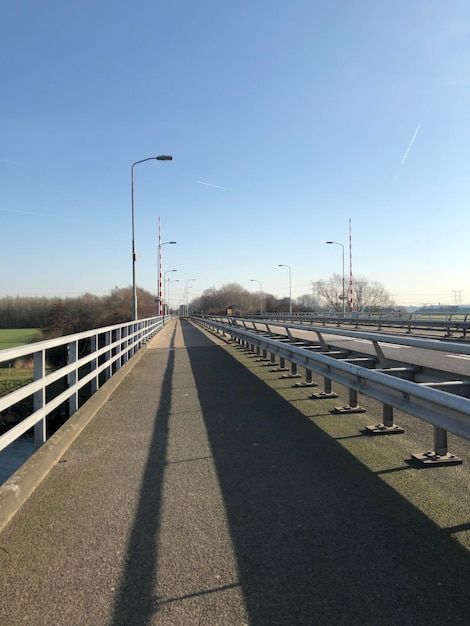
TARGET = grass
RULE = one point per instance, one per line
(13, 337)
(13, 378)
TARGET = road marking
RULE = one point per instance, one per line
(383, 343)
(459, 356)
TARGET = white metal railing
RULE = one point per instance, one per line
(448, 412)
(90, 359)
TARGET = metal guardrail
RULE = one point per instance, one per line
(375, 338)
(92, 357)
(453, 324)
(447, 412)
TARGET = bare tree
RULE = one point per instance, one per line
(370, 295)
(366, 294)
(332, 291)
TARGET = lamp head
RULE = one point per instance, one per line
(164, 157)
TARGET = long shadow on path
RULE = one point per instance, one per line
(318, 538)
(135, 602)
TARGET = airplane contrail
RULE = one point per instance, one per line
(217, 186)
(410, 144)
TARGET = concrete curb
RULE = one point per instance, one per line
(17, 489)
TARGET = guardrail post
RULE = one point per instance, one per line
(352, 407)
(308, 380)
(271, 361)
(293, 371)
(282, 365)
(263, 356)
(39, 369)
(440, 454)
(326, 393)
(387, 427)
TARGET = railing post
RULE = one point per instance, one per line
(94, 363)
(39, 365)
(293, 371)
(308, 380)
(440, 454)
(282, 365)
(440, 441)
(72, 377)
(119, 348)
(352, 407)
(326, 393)
(387, 427)
(107, 354)
(124, 352)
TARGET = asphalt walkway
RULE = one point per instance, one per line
(197, 495)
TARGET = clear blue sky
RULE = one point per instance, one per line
(285, 121)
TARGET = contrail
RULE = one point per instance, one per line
(211, 185)
(410, 144)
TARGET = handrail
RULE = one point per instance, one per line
(108, 348)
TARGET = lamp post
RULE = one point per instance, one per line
(168, 291)
(340, 244)
(162, 157)
(253, 280)
(164, 288)
(290, 287)
(160, 296)
(187, 292)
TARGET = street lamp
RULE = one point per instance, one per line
(340, 244)
(162, 157)
(164, 288)
(253, 280)
(168, 291)
(290, 287)
(160, 296)
(187, 292)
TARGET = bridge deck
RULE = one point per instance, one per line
(197, 495)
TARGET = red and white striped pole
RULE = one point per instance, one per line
(160, 298)
(351, 303)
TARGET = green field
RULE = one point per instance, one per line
(13, 337)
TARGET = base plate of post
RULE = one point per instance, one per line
(343, 410)
(305, 384)
(291, 376)
(382, 429)
(280, 369)
(322, 395)
(431, 459)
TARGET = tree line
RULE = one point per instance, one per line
(327, 296)
(56, 317)
(63, 316)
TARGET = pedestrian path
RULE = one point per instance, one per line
(197, 495)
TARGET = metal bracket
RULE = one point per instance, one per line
(431, 459)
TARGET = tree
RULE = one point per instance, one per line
(370, 295)
(217, 301)
(366, 294)
(59, 321)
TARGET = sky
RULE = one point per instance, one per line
(290, 124)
